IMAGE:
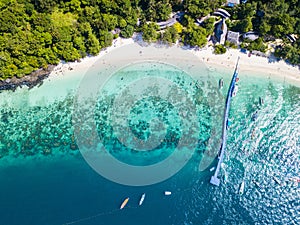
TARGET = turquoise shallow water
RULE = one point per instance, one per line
(45, 180)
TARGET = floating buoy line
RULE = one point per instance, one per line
(97, 215)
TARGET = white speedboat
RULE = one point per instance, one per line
(225, 177)
(168, 192)
(242, 188)
(142, 199)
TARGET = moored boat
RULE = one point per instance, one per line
(221, 83)
(261, 101)
(256, 183)
(235, 90)
(142, 199)
(295, 179)
(225, 177)
(276, 180)
(254, 116)
(168, 192)
(124, 203)
(242, 188)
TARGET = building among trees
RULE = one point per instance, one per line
(233, 37)
(251, 35)
(221, 31)
(232, 3)
(222, 12)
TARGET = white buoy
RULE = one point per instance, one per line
(168, 192)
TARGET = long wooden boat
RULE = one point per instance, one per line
(124, 203)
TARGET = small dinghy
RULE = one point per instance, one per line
(221, 83)
(142, 199)
(168, 192)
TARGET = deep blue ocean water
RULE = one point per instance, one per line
(64, 190)
(44, 182)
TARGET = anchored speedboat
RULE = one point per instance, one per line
(142, 199)
(242, 188)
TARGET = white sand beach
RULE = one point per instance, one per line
(66, 77)
(251, 65)
(85, 63)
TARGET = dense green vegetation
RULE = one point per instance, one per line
(170, 35)
(36, 33)
(219, 49)
(257, 44)
(150, 31)
(272, 20)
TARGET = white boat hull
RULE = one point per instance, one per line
(142, 199)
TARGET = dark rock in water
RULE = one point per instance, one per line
(31, 80)
(56, 144)
(73, 146)
(47, 151)
(29, 153)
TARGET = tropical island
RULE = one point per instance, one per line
(36, 35)
(157, 71)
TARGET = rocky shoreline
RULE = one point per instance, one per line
(31, 80)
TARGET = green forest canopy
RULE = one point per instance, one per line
(36, 33)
